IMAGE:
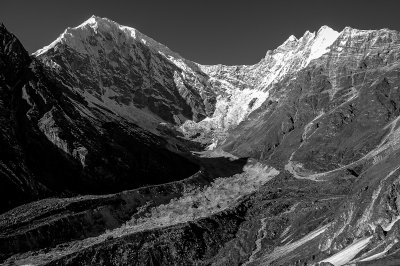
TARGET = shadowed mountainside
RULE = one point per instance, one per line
(52, 144)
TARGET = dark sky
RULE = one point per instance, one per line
(207, 32)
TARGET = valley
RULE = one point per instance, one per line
(115, 150)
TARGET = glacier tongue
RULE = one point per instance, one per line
(245, 88)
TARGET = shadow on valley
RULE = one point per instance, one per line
(222, 166)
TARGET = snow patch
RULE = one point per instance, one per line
(382, 253)
(390, 225)
(281, 251)
(347, 254)
(50, 46)
(325, 37)
(25, 96)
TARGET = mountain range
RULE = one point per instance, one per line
(116, 150)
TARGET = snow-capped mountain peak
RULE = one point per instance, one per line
(239, 90)
(322, 40)
(128, 72)
(290, 44)
(292, 38)
(97, 26)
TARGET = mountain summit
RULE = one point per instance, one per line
(115, 150)
(95, 25)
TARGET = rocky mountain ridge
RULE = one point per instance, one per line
(240, 89)
(129, 73)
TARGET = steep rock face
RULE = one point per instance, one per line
(129, 73)
(15, 179)
(13, 57)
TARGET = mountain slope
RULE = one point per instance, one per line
(15, 177)
(336, 120)
(245, 88)
(129, 73)
(54, 143)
